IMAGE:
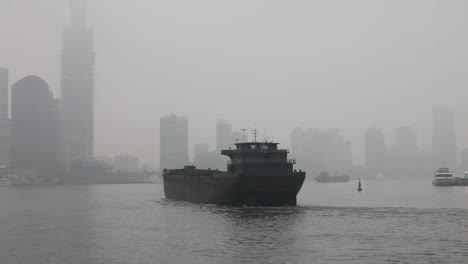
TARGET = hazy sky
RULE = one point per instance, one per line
(281, 64)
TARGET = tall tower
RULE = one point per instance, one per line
(444, 147)
(77, 65)
(173, 135)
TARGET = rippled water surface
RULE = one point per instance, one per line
(390, 222)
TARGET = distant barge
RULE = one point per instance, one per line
(324, 177)
(258, 174)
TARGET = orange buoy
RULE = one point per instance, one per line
(359, 188)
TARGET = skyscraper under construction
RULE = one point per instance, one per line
(77, 81)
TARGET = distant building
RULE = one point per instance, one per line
(224, 138)
(321, 150)
(77, 80)
(5, 142)
(35, 123)
(173, 135)
(4, 96)
(444, 151)
(463, 161)
(108, 161)
(374, 151)
(128, 163)
(404, 160)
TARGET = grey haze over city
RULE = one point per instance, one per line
(351, 65)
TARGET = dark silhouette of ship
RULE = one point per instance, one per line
(258, 174)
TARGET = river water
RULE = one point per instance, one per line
(389, 222)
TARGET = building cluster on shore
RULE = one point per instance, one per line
(54, 137)
(327, 150)
(51, 138)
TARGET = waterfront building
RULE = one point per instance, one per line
(173, 135)
(444, 151)
(77, 81)
(35, 127)
(374, 150)
(127, 163)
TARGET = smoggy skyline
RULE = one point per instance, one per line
(314, 64)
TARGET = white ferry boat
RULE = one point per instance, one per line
(443, 177)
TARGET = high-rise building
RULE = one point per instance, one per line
(444, 151)
(223, 135)
(5, 142)
(35, 125)
(374, 150)
(77, 80)
(173, 135)
(4, 97)
(321, 150)
(463, 161)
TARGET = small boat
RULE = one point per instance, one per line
(359, 188)
(443, 177)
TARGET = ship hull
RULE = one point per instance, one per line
(451, 182)
(237, 189)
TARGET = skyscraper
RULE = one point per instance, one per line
(224, 136)
(444, 151)
(77, 62)
(173, 146)
(34, 118)
(374, 150)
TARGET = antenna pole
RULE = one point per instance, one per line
(255, 134)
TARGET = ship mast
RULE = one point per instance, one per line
(255, 134)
